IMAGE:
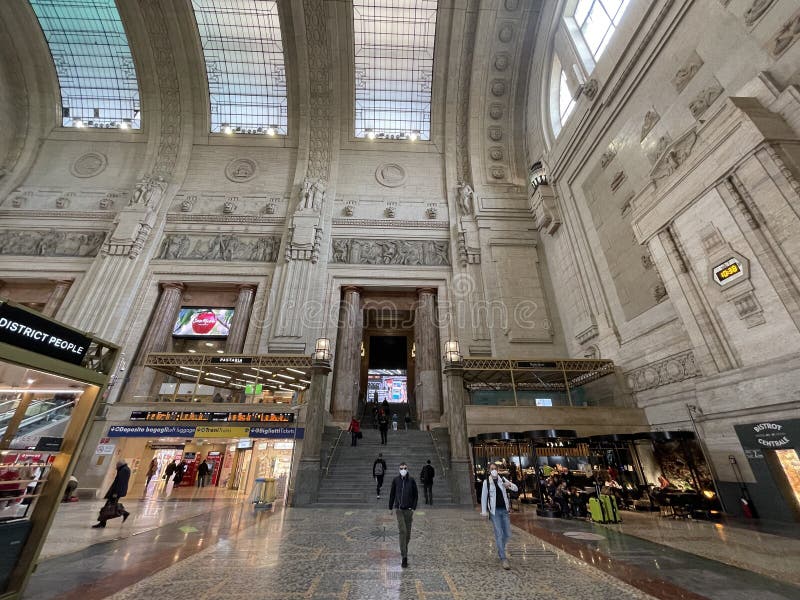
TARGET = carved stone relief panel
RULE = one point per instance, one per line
(221, 247)
(787, 35)
(757, 10)
(687, 72)
(659, 148)
(390, 175)
(498, 88)
(50, 242)
(506, 33)
(650, 119)
(390, 252)
(672, 369)
(496, 153)
(705, 99)
(496, 110)
(240, 170)
(502, 61)
(89, 165)
(495, 133)
(608, 156)
(674, 156)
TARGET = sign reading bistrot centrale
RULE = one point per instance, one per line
(25, 330)
(770, 435)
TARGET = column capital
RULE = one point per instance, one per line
(352, 288)
(57, 282)
(247, 287)
(427, 290)
(172, 285)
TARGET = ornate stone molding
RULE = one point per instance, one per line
(787, 35)
(685, 74)
(757, 10)
(466, 254)
(390, 223)
(390, 175)
(56, 214)
(390, 252)
(51, 242)
(587, 334)
(221, 247)
(225, 219)
(650, 119)
(319, 66)
(672, 369)
(464, 87)
(703, 101)
(240, 170)
(89, 165)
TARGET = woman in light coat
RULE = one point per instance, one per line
(495, 503)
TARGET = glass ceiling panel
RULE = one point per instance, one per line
(93, 62)
(394, 42)
(243, 50)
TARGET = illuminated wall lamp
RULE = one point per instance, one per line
(452, 353)
(322, 349)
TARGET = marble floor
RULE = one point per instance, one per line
(71, 529)
(227, 551)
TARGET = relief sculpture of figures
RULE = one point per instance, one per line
(145, 191)
(465, 197)
(390, 252)
(224, 247)
(50, 243)
(312, 195)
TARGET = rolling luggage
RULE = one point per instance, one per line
(603, 509)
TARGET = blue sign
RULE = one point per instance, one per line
(151, 431)
(277, 433)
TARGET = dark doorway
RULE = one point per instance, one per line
(388, 352)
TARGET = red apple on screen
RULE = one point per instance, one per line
(204, 322)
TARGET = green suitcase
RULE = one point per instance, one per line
(604, 509)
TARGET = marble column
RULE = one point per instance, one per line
(348, 355)
(428, 363)
(155, 339)
(460, 468)
(56, 298)
(241, 319)
(306, 487)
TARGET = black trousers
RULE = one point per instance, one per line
(379, 479)
(428, 487)
(353, 438)
(383, 435)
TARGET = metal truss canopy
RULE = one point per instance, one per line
(283, 372)
(532, 374)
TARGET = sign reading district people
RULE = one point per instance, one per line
(31, 332)
(190, 431)
(214, 417)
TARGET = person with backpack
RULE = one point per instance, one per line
(426, 477)
(383, 426)
(378, 470)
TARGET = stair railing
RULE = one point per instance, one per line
(438, 454)
(333, 451)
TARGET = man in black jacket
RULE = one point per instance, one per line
(118, 489)
(403, 500)
(426, 477)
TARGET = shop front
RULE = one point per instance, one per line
(772, 449)
(51, 378)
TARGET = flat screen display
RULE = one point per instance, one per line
(203, 323)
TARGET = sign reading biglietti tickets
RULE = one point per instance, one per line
(31, 332)
(191, 431)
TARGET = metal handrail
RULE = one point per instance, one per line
(438, 454)
(333, 451)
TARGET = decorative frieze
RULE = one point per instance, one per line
(705, 99)
(390, 252)
(787, 35)
(649, 121)
(672, 369)
(224, 219)
(221, 247)
(674, 156)
(51, 242)
(386, 224)
(757, 10)
(687, 72)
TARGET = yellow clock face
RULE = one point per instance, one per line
(728, 271)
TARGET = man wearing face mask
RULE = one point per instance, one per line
(495, 503)
(403, 500)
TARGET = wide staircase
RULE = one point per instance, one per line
(349, 481)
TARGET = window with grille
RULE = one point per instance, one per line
(597, 20)
(93, 63)
(393, 53)
(243, 51)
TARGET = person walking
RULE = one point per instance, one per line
(426, 478)
(383, 426)
(355, 430)
(151, 471)
(394, 421)
(403, 500)
(407, 420)
(378, 471)
(118, 489)
(495, 503)
(202, 473)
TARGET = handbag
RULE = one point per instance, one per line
(359, 435)
(111, 510)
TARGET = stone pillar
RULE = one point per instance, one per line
(155, 338)
(348, 355)
(241, 319)
(460, 467)
(427, 367)
(306, 487)
(56, 298)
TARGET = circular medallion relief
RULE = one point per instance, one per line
(89, 164)
(501, 61)
(240, 170)
(496, 153)
(498, 172)
(506, 33)
(390, 175)
(496, 111)
(495, 133)
(498, 87)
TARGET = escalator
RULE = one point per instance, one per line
(44, 417)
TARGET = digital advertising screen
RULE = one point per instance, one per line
(203, 323)
(390, 385)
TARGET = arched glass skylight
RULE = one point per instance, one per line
(565, 100)
(243, 51)
(393, 51)
(93, 62)
(597, 20)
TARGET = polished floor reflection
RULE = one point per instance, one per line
(221, 549)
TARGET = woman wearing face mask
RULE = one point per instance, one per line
(403, 500)
(495, 503)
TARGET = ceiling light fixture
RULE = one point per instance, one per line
(189, 369)
(227, 129)
(78, 123)
(413, 136)
(192, 350)
(216, 380)
(220, 351)
(287, 377)
(370, 134)
(124, 125)
(296, 371)
(271, 131)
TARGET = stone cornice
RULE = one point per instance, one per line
(390, 223)
(225, 219)
(57, 214)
